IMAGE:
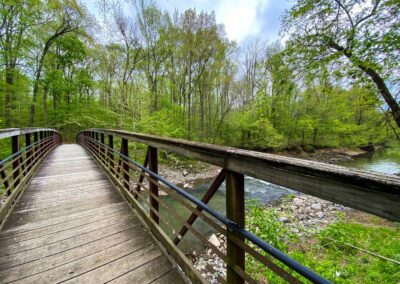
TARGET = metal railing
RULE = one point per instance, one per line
(146, 190)
(21, 164)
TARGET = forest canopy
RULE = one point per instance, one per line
(331, 80)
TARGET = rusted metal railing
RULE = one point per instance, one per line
(145, 189)
(23, 159)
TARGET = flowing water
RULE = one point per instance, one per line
(254, 189)
(385, 161)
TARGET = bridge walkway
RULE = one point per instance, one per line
(71, 225)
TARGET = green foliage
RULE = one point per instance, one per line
(175, 75)
(360, 38)
(165, 122)
(265, 224)
(328, 252)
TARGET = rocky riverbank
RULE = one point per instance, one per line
(304, 215)
(189, 176)
(326, 155)
(307, 214)
(3, 199)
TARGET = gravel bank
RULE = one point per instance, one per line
(304, 215)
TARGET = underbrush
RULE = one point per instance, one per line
(344, 252)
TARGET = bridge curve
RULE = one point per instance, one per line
(71, 225)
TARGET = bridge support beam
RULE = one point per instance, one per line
(235, 211)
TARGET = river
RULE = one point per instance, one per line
(385, 161)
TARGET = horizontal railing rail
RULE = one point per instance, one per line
(18, 167)
(9, 132)
(142, 186)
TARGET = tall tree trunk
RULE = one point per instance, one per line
(35, 92)
(376, 78)
(45, 93)
(54, 101)
(10, 95)
(386, 94)
(201, 113)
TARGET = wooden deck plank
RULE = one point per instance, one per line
(16, 229)
(96, 199)
(98, 260)
(63, 226)
(19, 218)
(119, 266)
(12, 247)
(171, 277)
(45, 264)
(146, 273)
(72, 225)
(51, 249)
(66, 200)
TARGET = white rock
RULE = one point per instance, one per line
(297, 201)
(185, 173)
(214, 240)
(186, 185)
(316, 206)
(284, 219)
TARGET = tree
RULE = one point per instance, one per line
(63, 17)
(152, 22)
(364, 33)
(16, 20)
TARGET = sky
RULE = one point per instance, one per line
(243, 19)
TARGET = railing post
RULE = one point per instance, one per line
(235, 212)
(102, 149)
(41, 136)
(96, 137)
(125, 167)
(91, 145)
(35, 140)
(110, 152)
(15, 149)
(28, 152)
(153, 166)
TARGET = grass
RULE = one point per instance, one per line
(326, 252)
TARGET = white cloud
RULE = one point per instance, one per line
(240, 17)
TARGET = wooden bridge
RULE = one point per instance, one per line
(87, 212)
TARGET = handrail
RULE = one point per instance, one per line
(18, 168)
(375, 193)
(123, 171)
(9, 132)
